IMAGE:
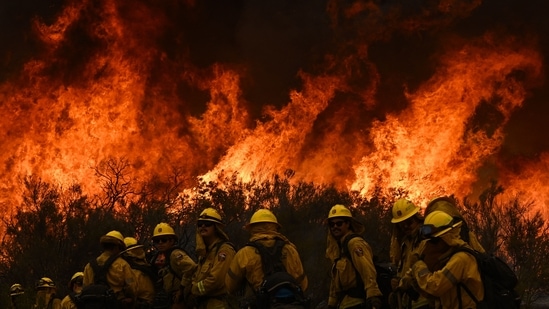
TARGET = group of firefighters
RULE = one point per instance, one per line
(427, 274)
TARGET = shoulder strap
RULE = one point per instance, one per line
(460, 285)
(146, 269)
(221, 243)
(359, 288)
(345, 245)
(271, 257)
(100, 272)
(466, 249)
(72, 296)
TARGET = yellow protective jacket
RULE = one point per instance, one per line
(246, 270)
(45, 300)
(461, 267)
(344, 275)
(404, 257)
(120, 276)
(67, 303)
(19, 301)
(178, 273)
(145, 286)
(208, 282)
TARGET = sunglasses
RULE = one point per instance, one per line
(161, 240)
(336, 223)
(202, 223)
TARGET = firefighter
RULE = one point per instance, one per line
(173, 266)
(143, 272)
(119, 275)
(16, 296)
(246, 269)
(353, 283)
(447, 205)
(405, 244)
(215, 254)
(443, 232)
(75, 287)
(45, 295)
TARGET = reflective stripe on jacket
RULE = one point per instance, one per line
(209, 277)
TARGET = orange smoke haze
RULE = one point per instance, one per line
(434, 99)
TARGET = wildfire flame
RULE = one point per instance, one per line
(116, 79)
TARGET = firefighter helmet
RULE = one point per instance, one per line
(403, 209)
(113, 237)
(339, 211)
(45, 282)
(438, 223)
(131, 243)
(16, 289)
(210, 214)
(263, 216)
(163, 229)
(76, 278)
(444, 203)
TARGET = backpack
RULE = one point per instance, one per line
(162, 299)
(498, 279)
(98, 295)
(385, 271)
(167, 256)
(278, 285)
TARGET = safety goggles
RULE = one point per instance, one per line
(429, 231)
(161, 240)
(202, 223)
(336, 223)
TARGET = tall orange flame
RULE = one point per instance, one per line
(116, 79)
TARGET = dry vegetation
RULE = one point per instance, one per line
(55, 231)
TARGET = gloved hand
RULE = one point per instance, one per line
(394, 283)
(406, 281)
(374, 302)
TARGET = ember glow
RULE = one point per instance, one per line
(357, 94)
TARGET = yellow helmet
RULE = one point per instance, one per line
(403, 209)
(443, 203)
(132, 248)
(163, 229)
(16, 289)
(45, 282)
(263, 215)
(438, 223)
(339, 211)
(77, 277)
(131, 243)
(210, 214)
(113, 237)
